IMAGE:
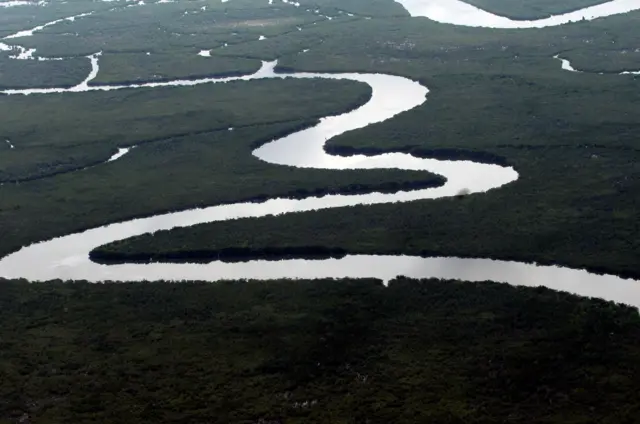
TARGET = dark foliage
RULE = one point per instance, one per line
(314, 352)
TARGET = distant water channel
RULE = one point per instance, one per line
(67, 257)
(458, 12)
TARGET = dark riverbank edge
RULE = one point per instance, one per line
(103, 160)
(311, 252)
(451, 154)
(195, 77)
(532, 15)
(306, 124)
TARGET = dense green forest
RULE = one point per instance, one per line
(49, 140)
(197, 170)
(572, 137)
(330, 351)
(314, 352)
(123, 68)
(543, 217)
(171, 27)
(14, 19)
(31, 73)
(496, 96)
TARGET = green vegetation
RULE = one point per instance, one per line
(314, 352)
(496, 96)
(58, 133)
(370, 8)
(544, 217)
(609, 61)
(125, 68)
(32, 73)
(14, 19)
(572, 137)
(527, 9)
(194, 170)
(320, 351)
(421, 48)
(169, 28)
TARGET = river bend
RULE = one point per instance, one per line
(67, 257)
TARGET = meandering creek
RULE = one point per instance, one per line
(67, 257)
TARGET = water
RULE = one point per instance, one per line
(67, 257)
(567, 66)
(457, 12)
(121, 152)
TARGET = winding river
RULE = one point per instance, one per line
(458, 12)
(67, 257)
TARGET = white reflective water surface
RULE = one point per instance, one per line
(457, 12)
(67, 257)
(567, 66)
(121, 152)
